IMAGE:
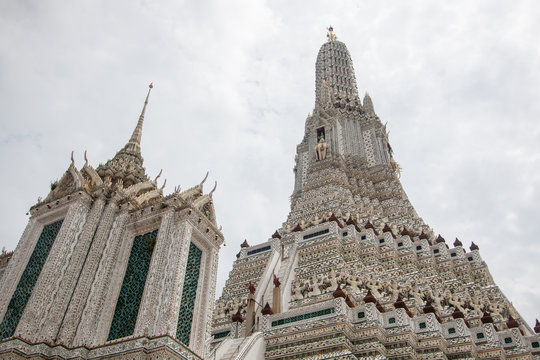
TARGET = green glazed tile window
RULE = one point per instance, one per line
(508, 340)
(28, 279)
(256, 251)
(422, 325)
(535, 344)
(361, 315)
(452, 330)
(303, 317)
(480, 335)
(221, 334)
(189, 293)
(129, 300)
(392, 320)
(322, 232)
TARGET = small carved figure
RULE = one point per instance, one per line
(296, 291)
(305, 289)
(219, 311)
(352, 282)
(396, 167)
(325, 284)
(320, 149)
(314, 284)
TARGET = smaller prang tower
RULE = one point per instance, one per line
(110, 267)
(354, 273)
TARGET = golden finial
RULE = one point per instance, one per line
(151, 85)
(331, 36)
(324, 82)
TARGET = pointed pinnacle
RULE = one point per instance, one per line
(134, 143)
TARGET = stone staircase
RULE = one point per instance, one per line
(283, 269)
(232, 349)
(247, 348)
(269, 293)
(252, 348)
(266, 285)
(280, 273)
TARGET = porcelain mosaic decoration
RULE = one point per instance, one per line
(354, 272)
(108, 264)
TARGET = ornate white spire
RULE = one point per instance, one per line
(334, 72)
(134, 143)
(127, 164)
(368, 104)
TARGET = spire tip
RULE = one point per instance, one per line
(331, 36)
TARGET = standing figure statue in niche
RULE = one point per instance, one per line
(320, 149)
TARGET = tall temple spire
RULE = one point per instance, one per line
(354, 152)
(134, 143)
(127, 165)
(334, 72)
(352, 230)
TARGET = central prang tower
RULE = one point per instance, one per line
(354, 273)
(344, 164)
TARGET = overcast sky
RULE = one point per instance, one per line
(458, 83)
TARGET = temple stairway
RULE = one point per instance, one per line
(251, 347)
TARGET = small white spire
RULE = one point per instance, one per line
(368, 104)
(134, 143)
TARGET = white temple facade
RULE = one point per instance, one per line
(110, 267)
(354, 272)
